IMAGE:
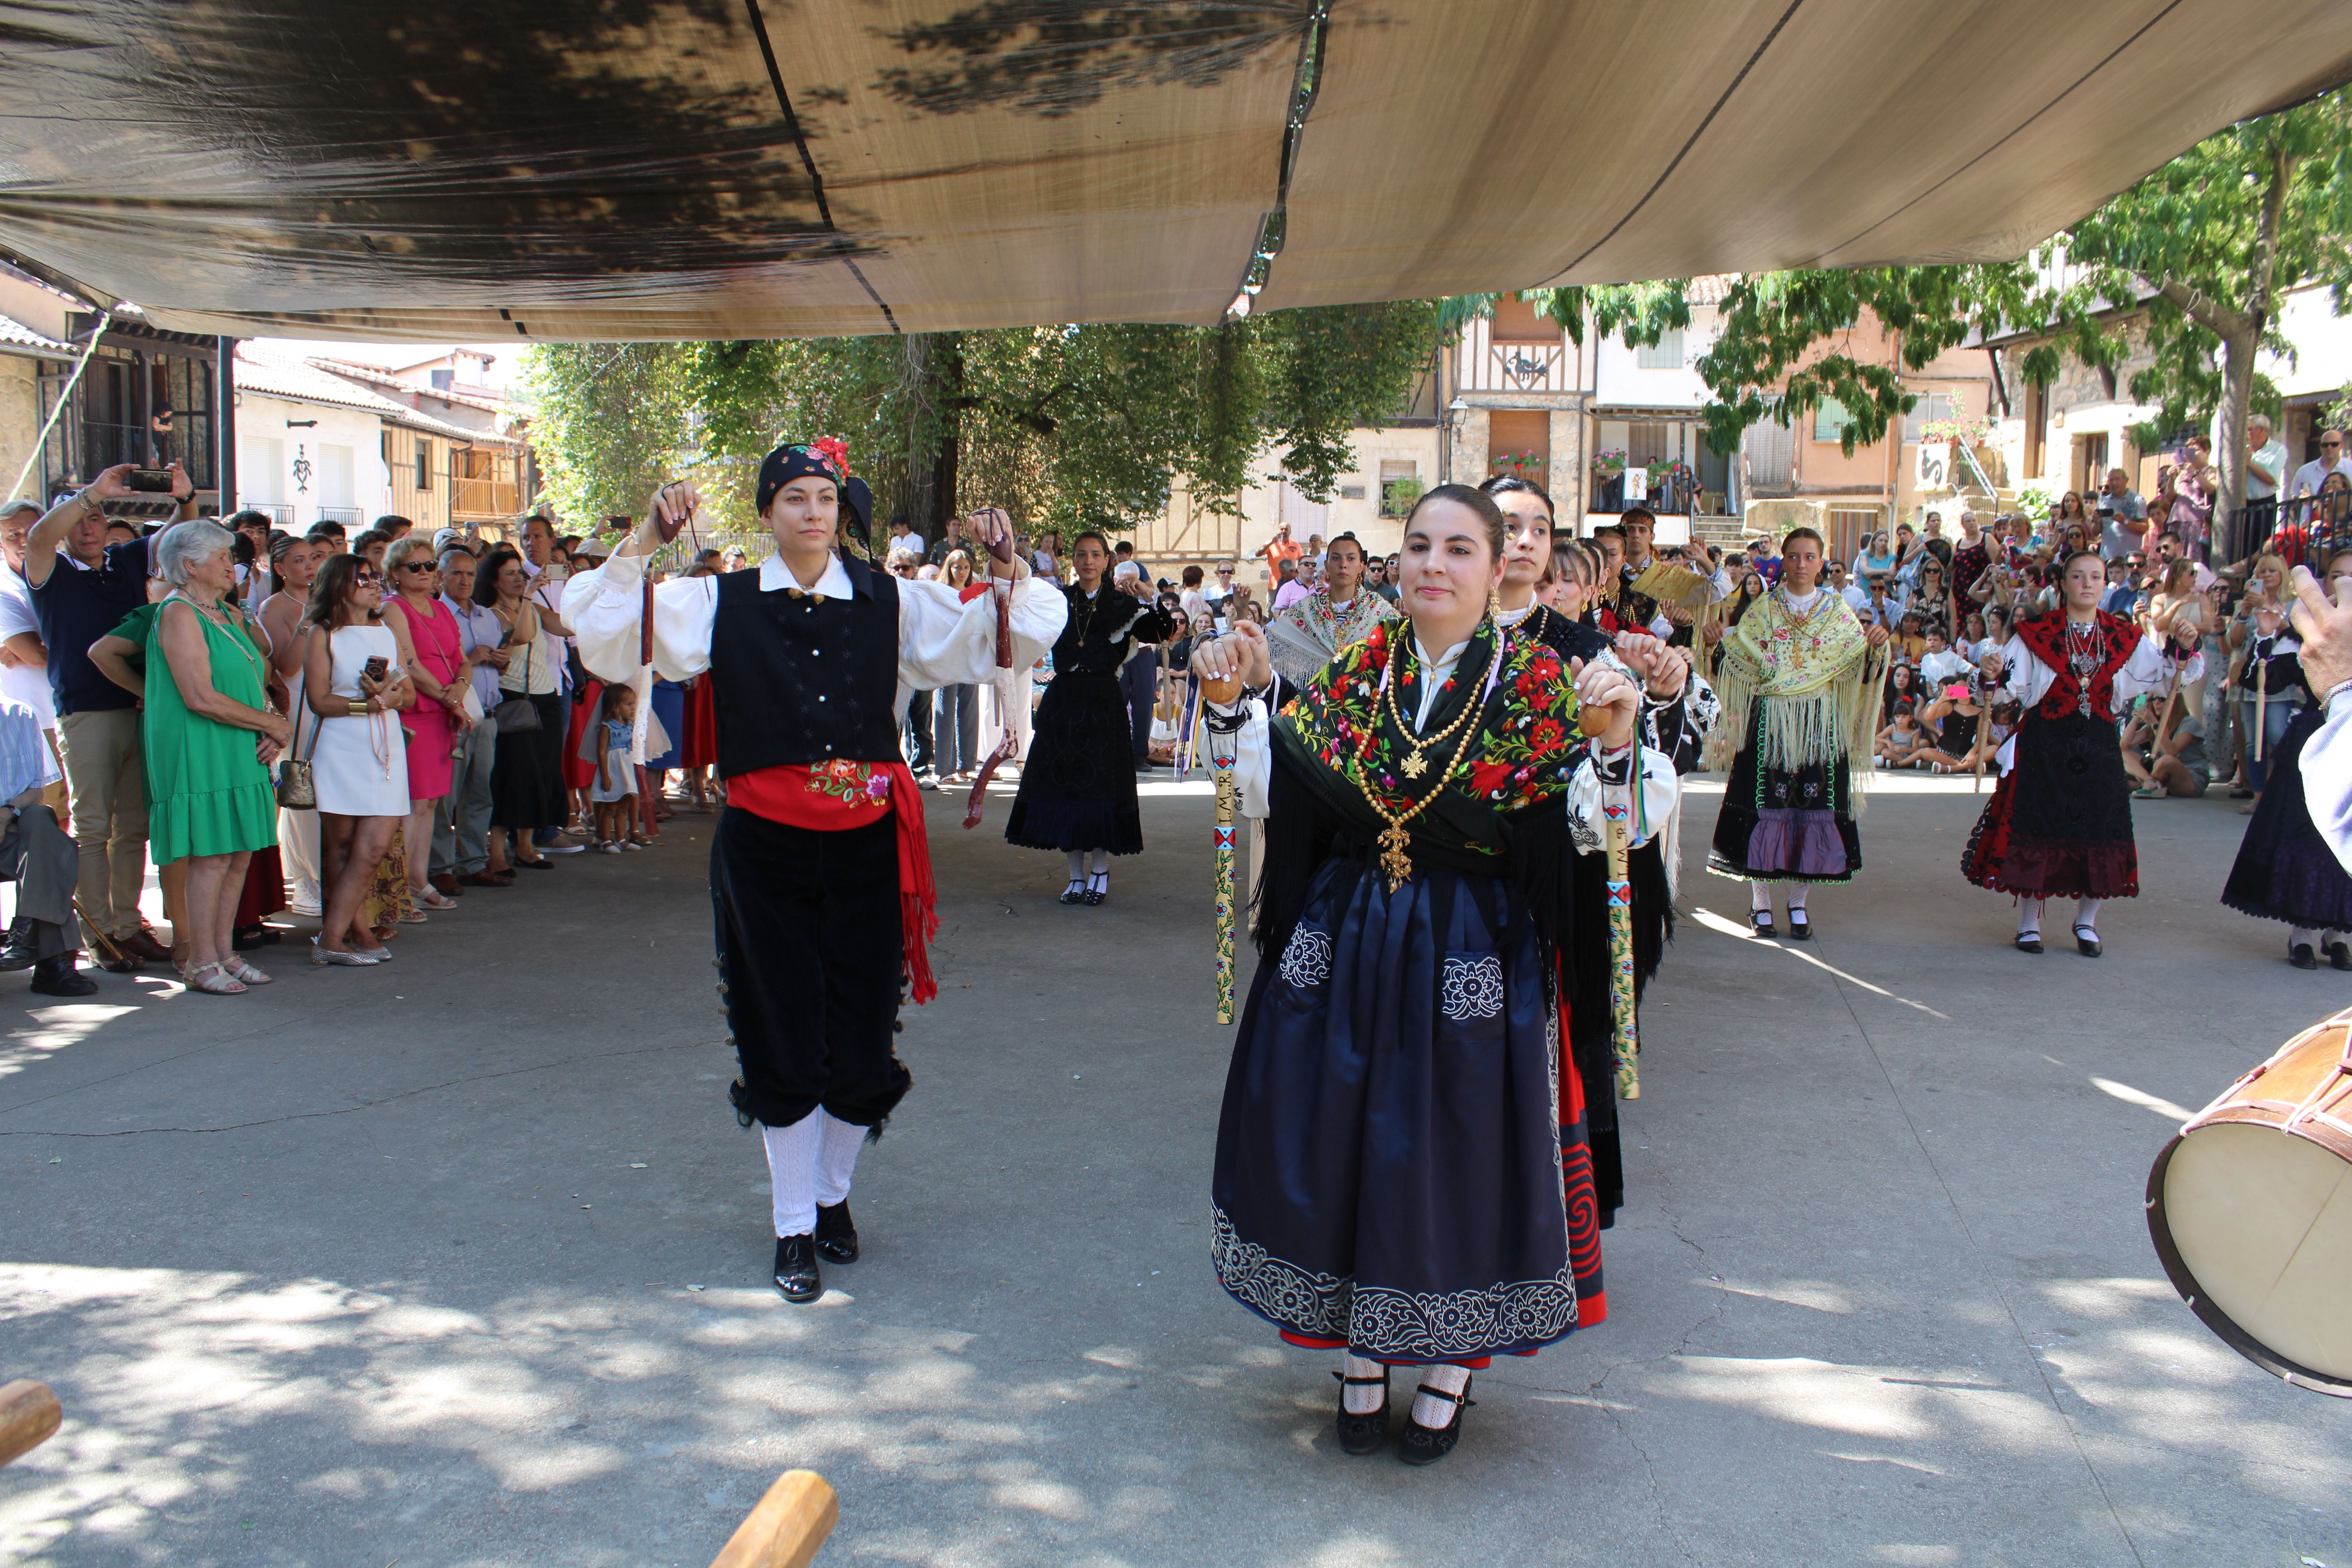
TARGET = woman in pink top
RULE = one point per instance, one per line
(436, 725)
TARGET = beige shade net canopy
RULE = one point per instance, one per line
(689, 169)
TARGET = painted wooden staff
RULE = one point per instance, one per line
(791, 1522)
(1625, 1029)
(1224, 746)
(28, 1415)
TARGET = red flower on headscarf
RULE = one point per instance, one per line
(833, 450)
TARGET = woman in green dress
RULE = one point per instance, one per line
(209, 735)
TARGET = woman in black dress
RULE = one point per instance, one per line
(1078, 791)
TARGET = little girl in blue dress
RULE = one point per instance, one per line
(614, 793)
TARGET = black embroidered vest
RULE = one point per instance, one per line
(800, 681)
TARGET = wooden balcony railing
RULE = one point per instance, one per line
(1482, 364)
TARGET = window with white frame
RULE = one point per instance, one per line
(1666, 354)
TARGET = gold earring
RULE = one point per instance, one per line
(1494, 603)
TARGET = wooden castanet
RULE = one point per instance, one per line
(28, 1414)
(786, 1528)
(1225, 689)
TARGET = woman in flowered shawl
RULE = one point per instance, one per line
(1393, 1181)
(1799, 683)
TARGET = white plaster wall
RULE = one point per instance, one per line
(281, 420)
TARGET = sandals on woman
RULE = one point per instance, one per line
(238, 969)
(215, 980)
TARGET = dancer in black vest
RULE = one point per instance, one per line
(820, 873)
(1077, 790)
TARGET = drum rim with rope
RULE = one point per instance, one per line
(2320, 1117)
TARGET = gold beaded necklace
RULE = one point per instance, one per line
(1395, 844)
(1412, 767)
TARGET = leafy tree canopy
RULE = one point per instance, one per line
(2187, 267)
(1065, 427)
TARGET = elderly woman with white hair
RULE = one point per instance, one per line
(209, 735)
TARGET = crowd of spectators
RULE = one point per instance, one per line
(361, 728)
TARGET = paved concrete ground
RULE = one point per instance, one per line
(462, 1261)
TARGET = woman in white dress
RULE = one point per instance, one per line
(354, 684)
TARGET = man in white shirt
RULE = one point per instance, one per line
(547, 591)
(2123, 517)
(2331, 460)
(1851, 592)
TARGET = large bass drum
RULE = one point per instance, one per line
(2250, 1208)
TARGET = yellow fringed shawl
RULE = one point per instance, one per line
(1818, 682)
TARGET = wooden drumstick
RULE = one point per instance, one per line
(787, 1527)
(28, 1414)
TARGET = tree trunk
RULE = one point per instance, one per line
(934, 376)
(2239, 347)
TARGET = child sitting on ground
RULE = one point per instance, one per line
(1900, 739)
(615, 794)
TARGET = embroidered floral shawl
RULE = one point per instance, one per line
(1816, 678)
(1306, 636)
(1525, 752)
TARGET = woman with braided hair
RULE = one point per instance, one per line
(2059, 823)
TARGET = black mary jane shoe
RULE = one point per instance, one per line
(1761, 919)
(836, 1233)
(1363, 1433)
(249, 939)
(1097, 888)
(2340, 954)
(1425, 1446)
(1799, 928)
(2300, 955)
(2029, 941)
(1076, 893)
(2087, 940)
(796, 1274)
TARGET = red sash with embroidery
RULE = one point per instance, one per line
(831, 797)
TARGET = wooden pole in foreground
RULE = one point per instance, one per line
(28, 1414)
(786, 1528)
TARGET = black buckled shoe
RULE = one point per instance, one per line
(1801, 929)
(1425, 1446)
(2340, 954)
(1076, 893)
(2300, 955)
(1363, 1433)
(836, 1233)
(796, 1274)
(58, 977)
(18, 953)
(2087, 940)
(1761, 922)
(2029, 941)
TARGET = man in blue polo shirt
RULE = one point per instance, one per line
(81, 588)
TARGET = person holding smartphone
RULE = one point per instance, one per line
(354, 682)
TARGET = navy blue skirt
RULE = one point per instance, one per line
(1387, 1171)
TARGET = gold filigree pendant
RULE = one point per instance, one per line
(1412, 766)
(1395, 864)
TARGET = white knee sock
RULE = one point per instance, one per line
(808, 1163)
(791, 1172)
(836, 1159)
(1361, 1399)
(1759, 898)
(1078, 859)
(1102, 862)
(2087, 913)
(1796, 899)
(2301, 936)
(2029, 916)
(1436, 1414)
